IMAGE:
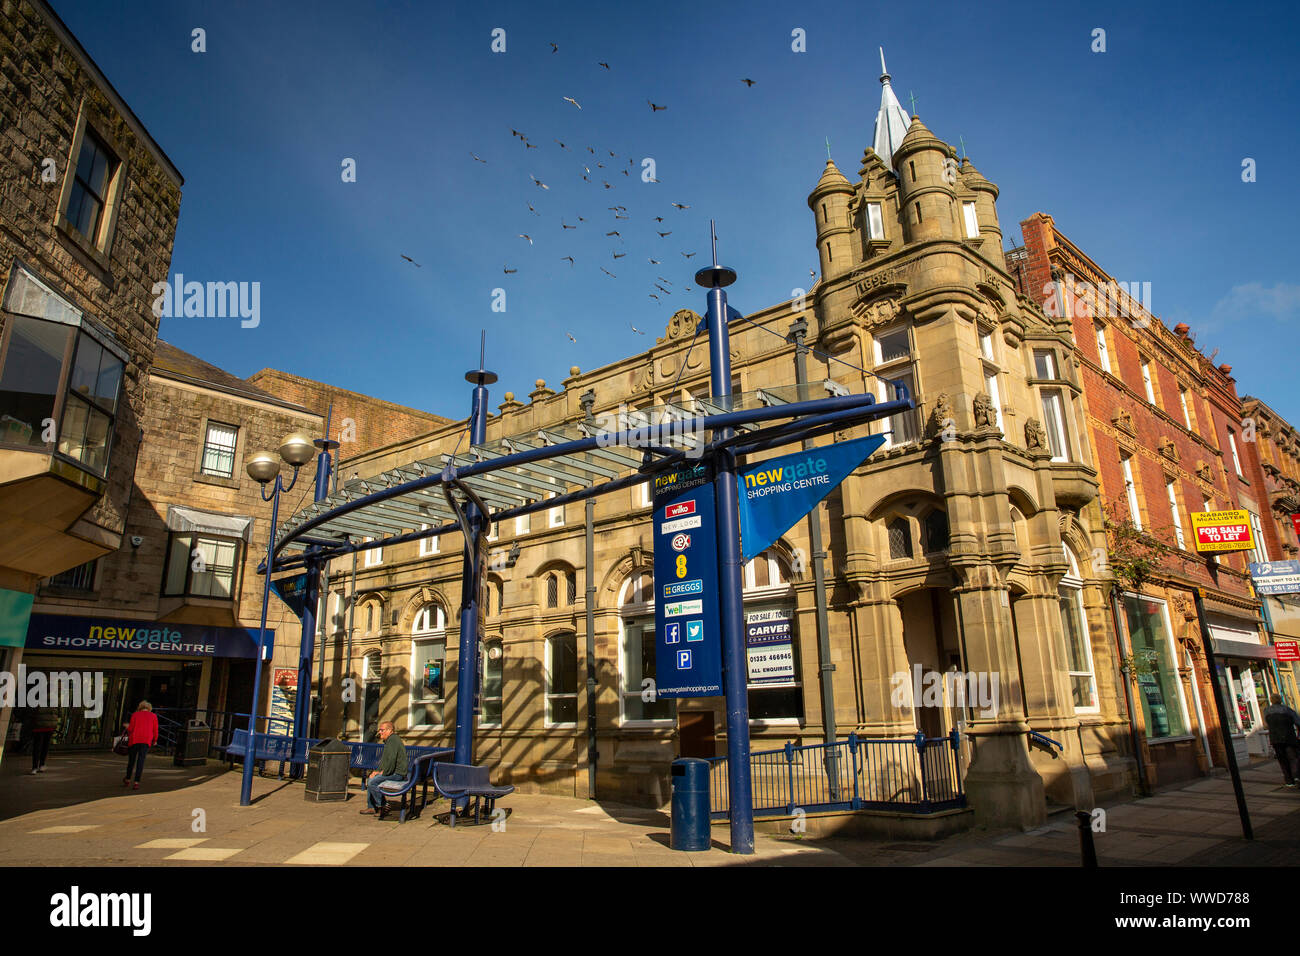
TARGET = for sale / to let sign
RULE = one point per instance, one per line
(1222, 531)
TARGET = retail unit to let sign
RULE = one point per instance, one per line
(1222, 531)
(1276, 577)
(688, 649)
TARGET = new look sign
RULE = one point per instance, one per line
(780, 491)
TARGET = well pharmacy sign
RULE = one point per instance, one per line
(1222, 531)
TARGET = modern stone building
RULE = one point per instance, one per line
(88, 210)
(1166, 427)
(966, 544)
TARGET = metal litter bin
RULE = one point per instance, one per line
(192, 745)
(328, 765)
(690, 815)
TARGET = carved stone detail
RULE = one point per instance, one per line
(1035, 435)
(941, 417)
(1123, 421)
(873, 315)
(986, 415)
(680, 326)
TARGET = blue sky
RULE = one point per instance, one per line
(1136, 152)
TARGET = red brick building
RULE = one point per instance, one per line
(1165, 427)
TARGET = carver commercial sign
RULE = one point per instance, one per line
(56, 632)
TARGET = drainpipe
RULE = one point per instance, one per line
(588, 400)
(1143, 789)
(798, 329)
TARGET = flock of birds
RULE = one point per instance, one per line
(599, 167)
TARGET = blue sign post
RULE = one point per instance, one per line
(688, 657)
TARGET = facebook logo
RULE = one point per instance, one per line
(694, 631)
(673, 634)
(683, 660)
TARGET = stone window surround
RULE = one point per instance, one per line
(99, 248)
(199, 474)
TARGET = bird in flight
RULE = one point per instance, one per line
(612, 154)
(411, 261)
(509, 272)
(659, 218)
(662, 289)
(662, 279)
(590, 150)
(625, 172)
(608, 273)
(580, 219)
(653, 296)
(654, 108)
(554, 48)
(528, 145)
(613, 233)
(529, 238)
(680, 205)
(602, 63)
(563, 225)
(515, 132)
(812, 274)
(635, 329)
(570, 258)
(748, 82)
(570, 335)
(600, 165)
(654, 262)
(607, 185)
(617, 208)
(688, 254)
(532, 210)
(480, 159)
(619, 255)
(570, 99)
(538, 181)
(617, 216)
(664, 234)
(562, 146)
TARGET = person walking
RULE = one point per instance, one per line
(392, 766)
(141, 734)
(45, 720)
(1282, 723)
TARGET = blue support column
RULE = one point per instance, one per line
(311, 599)
(731, 604)
(470, 583)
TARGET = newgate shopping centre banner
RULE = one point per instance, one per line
(57, 632)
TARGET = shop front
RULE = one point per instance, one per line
(178, 668)
(1247, 678)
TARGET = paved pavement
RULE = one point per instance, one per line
(78, 813)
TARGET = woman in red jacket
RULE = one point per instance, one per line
(141, 734)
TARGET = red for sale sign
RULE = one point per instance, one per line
(1222, 531)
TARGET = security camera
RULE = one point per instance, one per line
(136, 540)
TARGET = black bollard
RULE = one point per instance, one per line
(1086, 848)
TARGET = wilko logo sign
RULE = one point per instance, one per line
(1222, 531)
(681, 542)
(679, 509)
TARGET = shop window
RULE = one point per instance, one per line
(201, 566)
(637, 654)
(1078, 648)
(490, 694)
(562, 680)
(1159, 689)
(428, 666)
(219, 450)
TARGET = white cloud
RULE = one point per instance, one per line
(1253, 301)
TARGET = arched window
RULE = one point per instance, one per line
(1078, 650)
(637, 654)
(490, 697)
(370, 618)
(552, 590)
(428, 665)
(936, 531)
(900, 538)
(562, 680)
(766, 571)
(571, 586)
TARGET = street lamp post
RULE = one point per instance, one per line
(264, 468)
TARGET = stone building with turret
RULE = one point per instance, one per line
(965, 544)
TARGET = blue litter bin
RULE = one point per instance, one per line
(690, 827)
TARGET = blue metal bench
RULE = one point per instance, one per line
(366, 756)
(458, 780)
(290, 750)
(418, 772)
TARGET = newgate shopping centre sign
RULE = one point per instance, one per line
(57, 632)
(774, 496)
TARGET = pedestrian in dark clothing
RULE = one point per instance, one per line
(1282, 723)
(392, 766)
(45, 720)
(141, 734)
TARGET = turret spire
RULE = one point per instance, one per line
(891, 121)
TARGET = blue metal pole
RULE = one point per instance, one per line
(731, 618)
(470, 583)
(311, 597)
(246, 787)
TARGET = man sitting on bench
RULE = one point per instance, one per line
(392, 766)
